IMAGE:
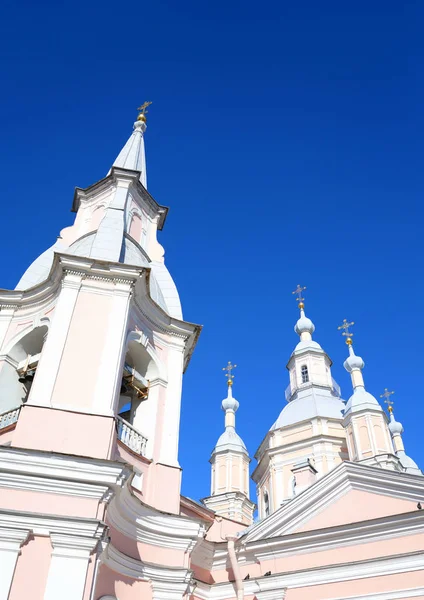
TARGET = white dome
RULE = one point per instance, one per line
(394, 426)
(304, 325)
(361, 399)
(230, 440)
(310, 403)
(353, 362)
(230, 403)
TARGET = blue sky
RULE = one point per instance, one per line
(287, 139)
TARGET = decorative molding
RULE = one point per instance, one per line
(40, 524)
(145, 524)
(68, 546)
(392, 595)
(11, 539)
(85, 471)
(319, 576)
(325, 539)
(166, 581)
(333, 486)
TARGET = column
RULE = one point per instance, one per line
(42, 388)
(168, 453)
(11, 541)
(68, 567)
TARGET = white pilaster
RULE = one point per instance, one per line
(11, 541)
(68, 567)
(171, 420)
(113, 352)
(48, 367)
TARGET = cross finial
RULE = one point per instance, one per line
(386, 394)
(229, 375)
(298, 291)
(143, 111)
(345, 326)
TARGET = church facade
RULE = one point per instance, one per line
(93, 348)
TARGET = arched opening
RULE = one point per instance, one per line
(304, 373)
(135, 228)
(96, 217)
(18, 368)
(266, 504)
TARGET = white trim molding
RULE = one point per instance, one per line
(11, 540)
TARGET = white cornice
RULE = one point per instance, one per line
(83, 194)
(332, 486)
(145, 524)
(41, 524)
(392, 595)
(62, 468)
(319, 576)
(324, 539)
(136, 569)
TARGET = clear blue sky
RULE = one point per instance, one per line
(287, 139)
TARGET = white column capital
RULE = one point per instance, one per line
(167, 590)
(12, 539)
(69, 546)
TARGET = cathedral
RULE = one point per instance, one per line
(93, 348)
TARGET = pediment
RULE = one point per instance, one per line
(351, 493)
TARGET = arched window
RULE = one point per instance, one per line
(135, 227)
(304, 373)
(266, 504)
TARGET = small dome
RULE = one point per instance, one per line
(230, 403)
(361, 399)
(394, 426)
(353, 362)
(230, 440)
(304, 325)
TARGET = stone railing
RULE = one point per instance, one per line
(129, 436)
(9, 418)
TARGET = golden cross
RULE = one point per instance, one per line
(143, 108)
(299, 291)
(345, 326)
(229, 374)
(387, 400)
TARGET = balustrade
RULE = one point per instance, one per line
(129, 436)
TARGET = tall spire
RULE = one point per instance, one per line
(396, 430)
(354, 364)
(133, 155)
(230, 465)
(230, 406)
(368, 436)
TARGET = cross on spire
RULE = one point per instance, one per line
(298, 291)
(229, 375)
(345, 326)
(143, 108)
(386, 394)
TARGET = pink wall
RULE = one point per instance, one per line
(54, 504)
(82, 352)
(29, 580)
(356, 506)
(63, 431)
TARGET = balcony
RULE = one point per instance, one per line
(9, 418)
(130, 437)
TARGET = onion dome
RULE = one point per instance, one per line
(395, 427)
(304, 325)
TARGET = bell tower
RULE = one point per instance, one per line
(93, 344)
